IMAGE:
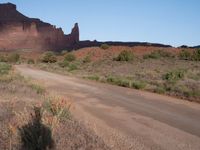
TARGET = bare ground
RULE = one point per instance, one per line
(126, 118)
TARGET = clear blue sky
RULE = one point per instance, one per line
(174, 22)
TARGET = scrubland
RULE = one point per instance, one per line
(170, 71)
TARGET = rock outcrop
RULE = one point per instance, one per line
(20, 32)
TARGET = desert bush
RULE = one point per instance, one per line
(94, 77)
(192, 93)
(194, 76)
(72, 67)
(13, 58)
(104, 46)
(38, 88)
(157, 54)
(125, 56)
(63, 64)
(174, 75)
(70, 57)
(184, 55)
(87, 59)
(4, 68)
(35, 135)
(3, 58)
(118, 81)
(59, 108)
(30, 61)
(49, 57)
(160, 90)
(196, 55)
(138, 84)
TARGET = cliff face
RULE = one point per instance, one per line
(20, 32)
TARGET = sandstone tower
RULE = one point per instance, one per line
(20, 32)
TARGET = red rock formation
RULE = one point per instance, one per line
(20, 32)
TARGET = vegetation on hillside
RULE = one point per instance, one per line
(125, 56)
(49, 57)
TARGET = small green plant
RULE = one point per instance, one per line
(157, 54)
(3, 58)
(30, 61)
(174, 76)
(160, 90)
(125, 56)
(87, 59)
(38, 88)
(94, 77)
(70, 57)
(192, 93)
(118, 81)
(13, 58)
(49, 57)
(4, 68)
(104, 46)
(59, 108)
(138, 84)
(72, 67)
(63, 64)
(196, 55)
(185, 55)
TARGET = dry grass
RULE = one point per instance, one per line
(30, 119)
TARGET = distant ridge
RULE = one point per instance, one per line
(82, 44)
(196, 46)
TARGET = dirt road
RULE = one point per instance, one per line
(127, 118)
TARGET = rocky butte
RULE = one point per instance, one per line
(20, 32)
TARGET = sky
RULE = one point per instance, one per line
(174, 22)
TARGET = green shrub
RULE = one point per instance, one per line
(104, 46)
(157, 54)
(3, 58)
(58, 107)
(192, 93)
(125, 56)
(63, 64)
(174, 76)
(31, 61)
(196, 55)
(87, 59)
(160, 90)
(94, 77)
(184, 55)
(4, 68)
(118, 81)
(72, 67)
(70, 57)
(13, 58)
(138, 84)
(39, 89)
(49, 57)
